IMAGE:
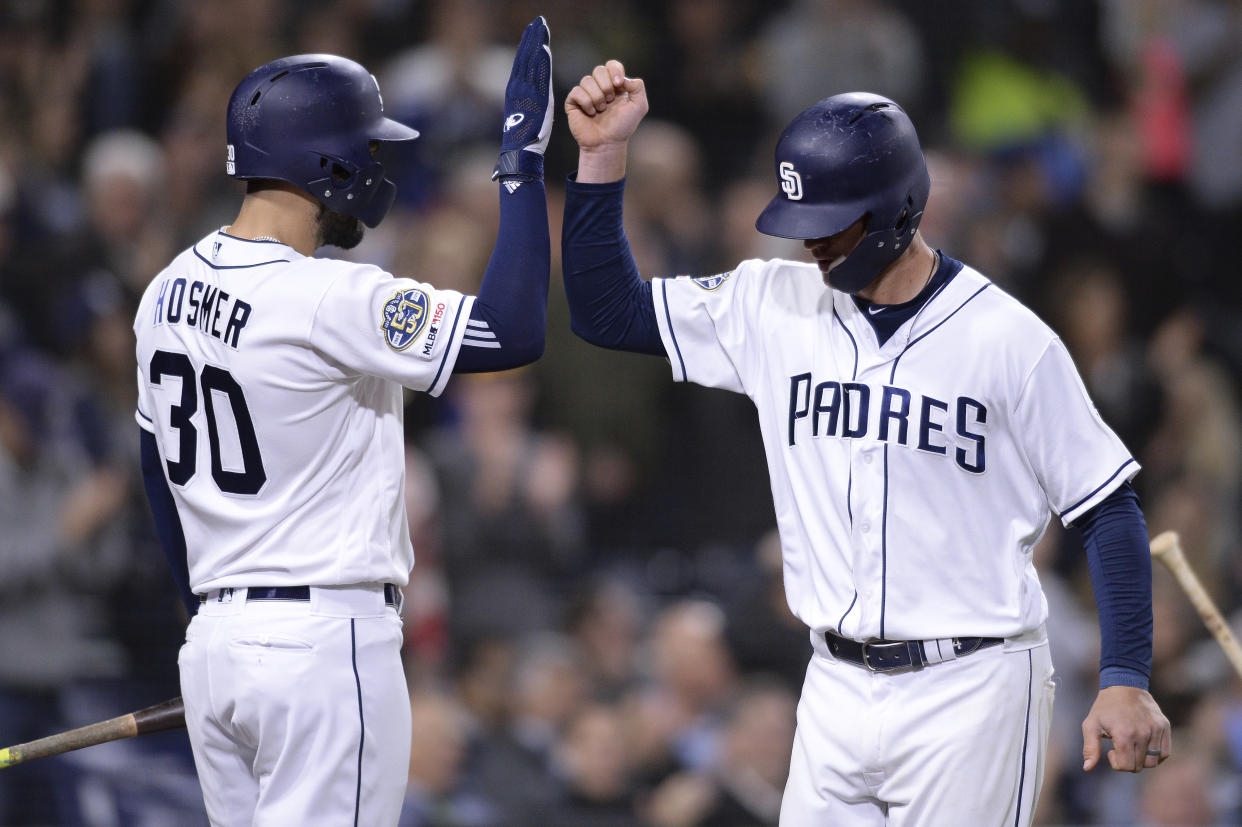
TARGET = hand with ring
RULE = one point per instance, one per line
(1132, 719)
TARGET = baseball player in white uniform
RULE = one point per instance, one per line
(270, 396)
(920, 427)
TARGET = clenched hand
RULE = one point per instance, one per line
(603, 110)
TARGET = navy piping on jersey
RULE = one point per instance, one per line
(1026, 734)
(849, 487)
(238, 266)
(362, 729)
(847, 613)
(884, 545)
(1097, 488)
(145, 418)
(852, 342)
(892, 377)
(447, 350)
(668, 316)
(849, 495)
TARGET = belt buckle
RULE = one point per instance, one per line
(892, 645)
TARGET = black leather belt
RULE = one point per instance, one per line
(392, 595)
(891, 655)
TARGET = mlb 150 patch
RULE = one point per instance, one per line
(405, 315)
(712, 282)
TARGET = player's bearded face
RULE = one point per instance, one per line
(338, 230)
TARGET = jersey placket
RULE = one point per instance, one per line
(869, 460)
(869, 470)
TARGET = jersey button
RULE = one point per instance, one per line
(865, 527)
(867, 458)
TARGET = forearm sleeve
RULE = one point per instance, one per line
(1118, 557)
(167, 523)
(609, 304)
(509, 318)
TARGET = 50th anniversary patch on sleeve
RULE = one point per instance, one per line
(406, 315)
(710, 282)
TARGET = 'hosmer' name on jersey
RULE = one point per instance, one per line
(208, 309)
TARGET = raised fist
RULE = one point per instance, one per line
(606, 106)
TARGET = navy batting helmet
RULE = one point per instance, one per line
(848, 157)
(309, 120)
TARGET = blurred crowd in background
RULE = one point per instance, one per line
(596, 628)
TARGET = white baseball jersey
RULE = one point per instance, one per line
(272, 382)
(912, 480)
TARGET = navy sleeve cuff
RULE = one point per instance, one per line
(572, 185)
(1120, 676)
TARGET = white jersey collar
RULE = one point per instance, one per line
(222, 251)
(939, 307)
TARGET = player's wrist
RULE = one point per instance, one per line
(518, 165)
(602, 164)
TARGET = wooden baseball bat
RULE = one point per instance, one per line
(167, 715)
(1167, 548)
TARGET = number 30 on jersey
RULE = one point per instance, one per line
(213, 382)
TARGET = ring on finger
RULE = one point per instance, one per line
(1154, 753)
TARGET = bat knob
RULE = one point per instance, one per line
(1164, 543)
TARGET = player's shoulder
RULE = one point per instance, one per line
(181, 264)
(765, 276)
(326, 269)
(769, 268)
(779, 267)
(335, 280)
(762, 290)
(999, 315)
(752, 272)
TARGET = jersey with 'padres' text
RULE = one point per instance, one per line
(912, 480)
(273, 384)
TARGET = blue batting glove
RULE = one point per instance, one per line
(528, 107)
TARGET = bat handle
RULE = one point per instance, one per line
(1166, 548)
(167, 715)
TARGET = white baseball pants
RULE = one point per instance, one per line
(298, 711)
(955, 743)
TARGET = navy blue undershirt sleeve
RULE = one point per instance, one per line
(609, 303)
(167, 523)
(509, 317)
(1118, 557)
